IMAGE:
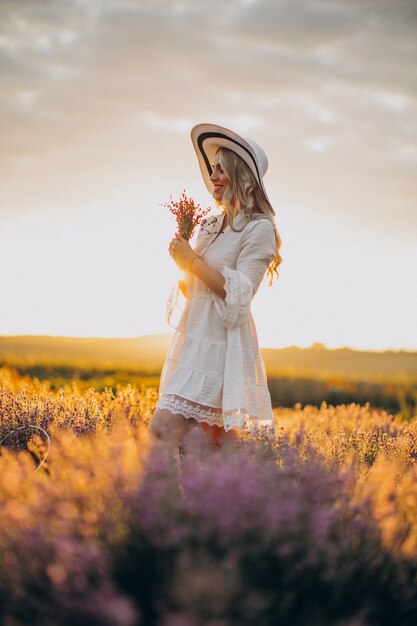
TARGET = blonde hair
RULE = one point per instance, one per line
(244, 195)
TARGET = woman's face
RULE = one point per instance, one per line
(218, 178)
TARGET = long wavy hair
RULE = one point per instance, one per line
(244, 195)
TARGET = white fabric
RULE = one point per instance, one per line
(214, 372)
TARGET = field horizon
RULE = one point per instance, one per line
(147, 353)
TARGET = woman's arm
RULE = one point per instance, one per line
(184, 256)
(211, 277)
(257, 250)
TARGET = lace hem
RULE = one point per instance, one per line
(190, 411)
(238, 419)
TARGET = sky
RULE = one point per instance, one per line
(97, 100)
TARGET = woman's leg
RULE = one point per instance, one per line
(168, 430)
(170, 427)
(217, 435)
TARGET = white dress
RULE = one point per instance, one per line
(214, 372)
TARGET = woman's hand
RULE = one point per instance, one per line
(181, 251)
(183, 254)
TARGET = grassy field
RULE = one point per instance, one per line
(387, 380)
(316, 524)
(396, 394)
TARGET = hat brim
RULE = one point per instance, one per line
(208, 138)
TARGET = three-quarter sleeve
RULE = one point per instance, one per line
(241, 284)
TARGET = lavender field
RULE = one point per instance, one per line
(314, 526)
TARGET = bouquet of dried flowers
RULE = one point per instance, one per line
(187, 214)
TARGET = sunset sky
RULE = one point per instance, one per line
(98, 98)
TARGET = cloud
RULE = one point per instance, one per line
(308, 78)
(169, 125)
(318, 144)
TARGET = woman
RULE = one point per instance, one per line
(214, 374)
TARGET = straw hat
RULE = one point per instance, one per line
(207, 138)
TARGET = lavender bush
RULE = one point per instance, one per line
(248, 541)
(315, 526)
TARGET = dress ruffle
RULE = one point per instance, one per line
(235, 420)
(190, 410)
(235, 309)
(231, 391)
